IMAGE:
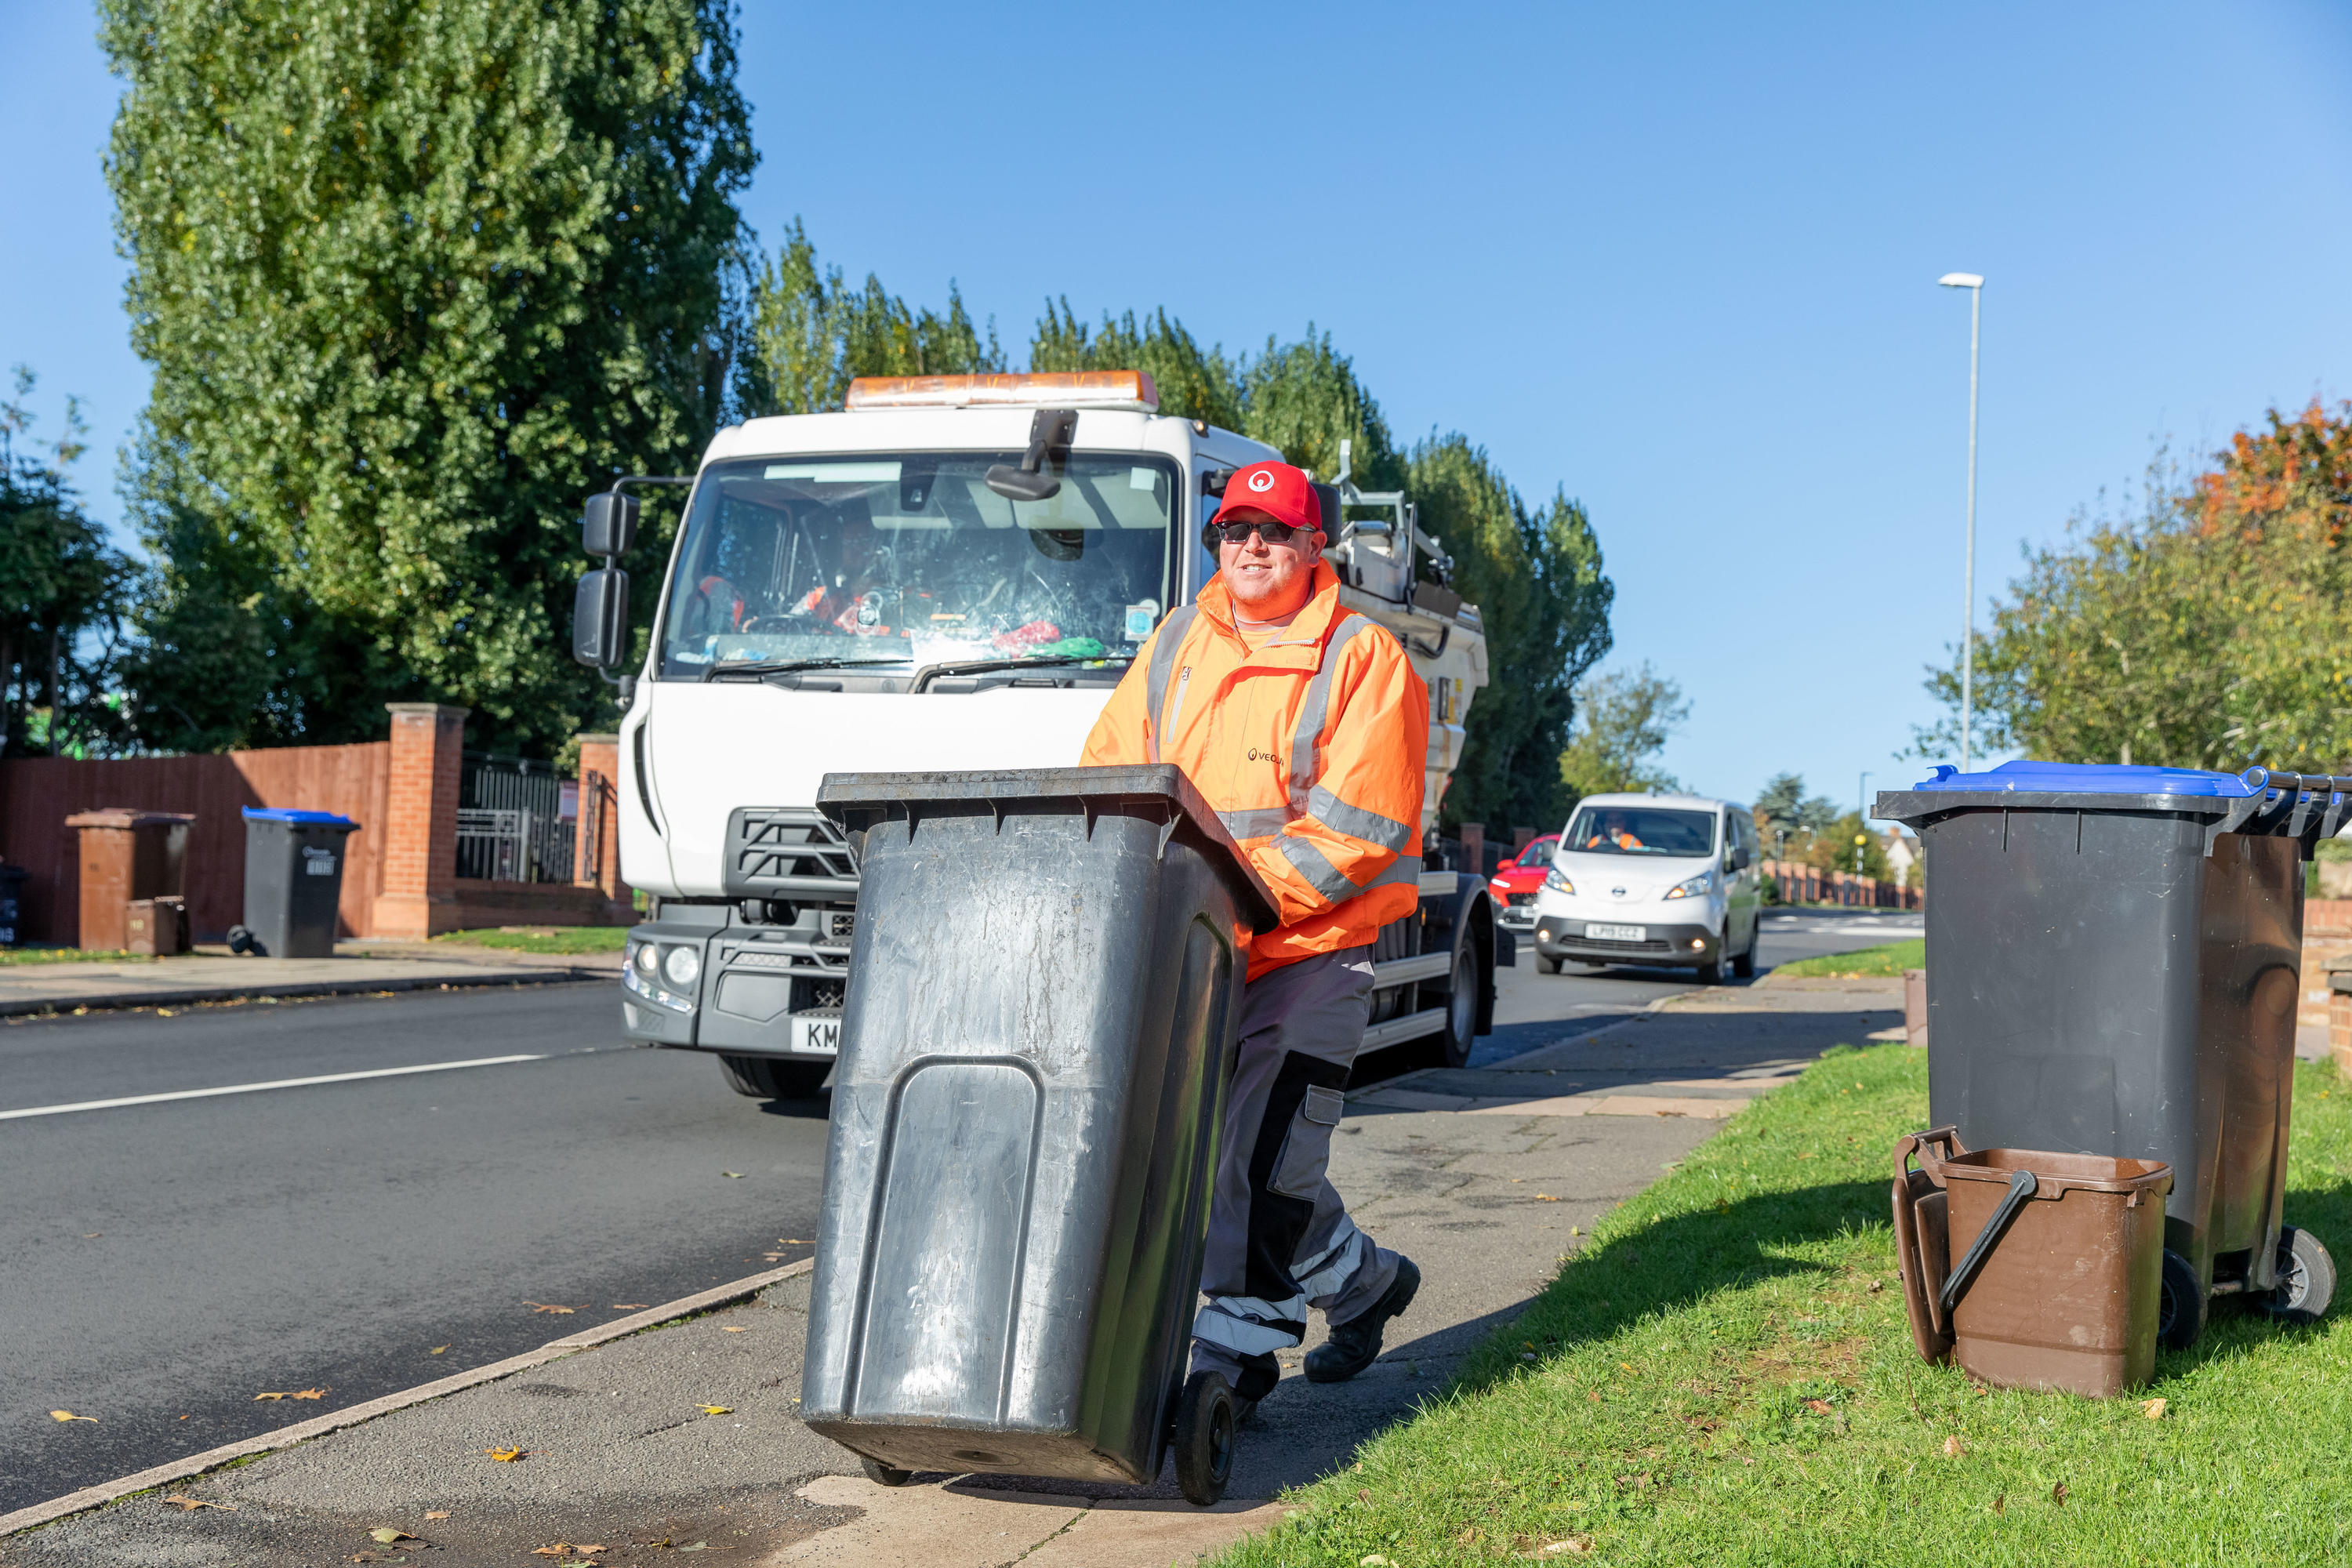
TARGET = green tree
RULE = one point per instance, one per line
(2208, 630)
(62, 592)
(1623, 720)
(1783, 807)
(414, 281)
(811, 333)
(1193, 382)
(1832, 848)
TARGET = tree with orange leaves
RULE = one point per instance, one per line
(2213, 630)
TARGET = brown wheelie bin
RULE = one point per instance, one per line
(2056, 1262)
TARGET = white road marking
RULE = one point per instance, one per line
(257, 1088)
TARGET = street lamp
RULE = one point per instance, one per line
(1974, 284)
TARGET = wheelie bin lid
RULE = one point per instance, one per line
(289, 814)
(2309, 807)
(857, 802)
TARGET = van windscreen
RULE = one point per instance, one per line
(1640, 831)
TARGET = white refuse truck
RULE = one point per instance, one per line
(952, 573)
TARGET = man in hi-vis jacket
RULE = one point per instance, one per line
(1306, 727)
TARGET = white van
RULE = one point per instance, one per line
(1653, 879)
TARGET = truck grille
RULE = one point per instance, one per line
(786, 852)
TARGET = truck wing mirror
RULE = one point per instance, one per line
(600, 617)
(1051, 431)
(609, 526)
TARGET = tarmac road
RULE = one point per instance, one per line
(172, 1259)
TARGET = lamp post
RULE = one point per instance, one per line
(1974, 284)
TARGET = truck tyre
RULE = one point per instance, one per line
(1461, 1011)
(766, 1077)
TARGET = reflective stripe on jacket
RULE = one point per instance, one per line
(1311, 750)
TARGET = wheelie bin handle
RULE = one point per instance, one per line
(2021, 1186)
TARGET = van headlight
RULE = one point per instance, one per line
(1697, 886)
(1558, 882)
(683, 965)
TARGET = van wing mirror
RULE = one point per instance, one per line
(600, 617)
(1742, 857)
(609, 525)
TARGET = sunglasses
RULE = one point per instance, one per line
(1239, 532)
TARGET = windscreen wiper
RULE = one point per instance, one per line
(761, 666)
(983, 666)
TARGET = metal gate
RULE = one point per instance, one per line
(513, 824)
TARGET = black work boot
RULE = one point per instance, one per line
(1355, 1343)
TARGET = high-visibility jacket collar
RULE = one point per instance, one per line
(1300, 642)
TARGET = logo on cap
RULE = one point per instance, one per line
(1262, 481)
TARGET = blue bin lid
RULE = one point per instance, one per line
(2098, 778)
(287, 814)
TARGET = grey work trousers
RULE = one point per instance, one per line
(1280, 1240)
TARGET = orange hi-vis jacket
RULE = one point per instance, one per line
(1311, 750)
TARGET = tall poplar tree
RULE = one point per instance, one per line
(414, 276)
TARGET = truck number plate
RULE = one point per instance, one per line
(1617, 933)
(817, 1032)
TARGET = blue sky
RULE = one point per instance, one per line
(1680, 261)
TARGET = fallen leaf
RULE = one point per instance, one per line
(69, 1415)
(732, 1175)
(734, 1331)
(543, 1306)
(1952, 1449)
(630, 1306)
(162, 1011)
(794, 1241)
(2058, 1493)
(308, 1394)
(1818, 1407)
(187, 1504)
(1546, 1199)
(436, 1350)
(273, 1396)
(504, 1455)
(717, 1409)
(2001, 1502)
(437, 1513)
(697, 1546)
(2154, 1409)
(385, 1535)
(1575, 1546)
(1373, 1560)
(1877, 1286)
(561, 1549)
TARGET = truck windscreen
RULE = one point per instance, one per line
(910, 557)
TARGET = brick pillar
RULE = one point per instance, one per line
(596, 839)
(420, 841)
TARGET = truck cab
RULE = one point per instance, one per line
(951, 573)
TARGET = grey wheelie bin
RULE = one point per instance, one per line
(2113, 962)
(293, 882)
(1040, 1022)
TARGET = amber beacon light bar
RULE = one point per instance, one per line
(1055, 389)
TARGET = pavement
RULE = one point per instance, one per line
(215, 974)
(681, 1437)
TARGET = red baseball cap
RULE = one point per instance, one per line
(1273, 490)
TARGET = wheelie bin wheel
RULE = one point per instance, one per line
(2180, 1303)
(1204, 1439)
(2306, 1278)
(883, 1475)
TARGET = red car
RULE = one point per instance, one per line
(1514, 882)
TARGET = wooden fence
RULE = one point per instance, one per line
(38, 794)
(1803, 884)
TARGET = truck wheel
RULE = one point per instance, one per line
(766, 1077)
(1460, 1012)
(1204, 1439)
(2306, 1278)
(2179, 1303)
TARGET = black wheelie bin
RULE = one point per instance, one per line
(293, 882)
(2114, 955)
(1040, 1022)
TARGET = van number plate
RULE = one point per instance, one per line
(1617, 933)
(817, 1032)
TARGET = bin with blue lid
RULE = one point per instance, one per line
(293, 882)
(2114, 958)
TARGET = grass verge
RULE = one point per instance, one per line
(10, 956)
(1723, 1375)
(1890, 959)
(544, 938)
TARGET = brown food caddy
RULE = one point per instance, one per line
(2032, 1269)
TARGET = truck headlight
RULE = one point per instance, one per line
(647, 959)
(1697, 886)
(683, 965)
(1558, 883)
